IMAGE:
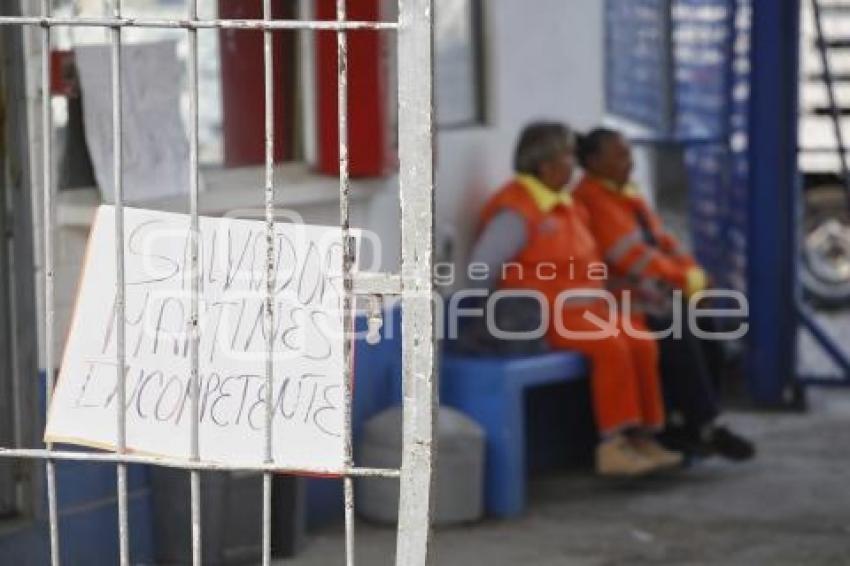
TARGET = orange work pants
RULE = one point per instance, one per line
(625, 383)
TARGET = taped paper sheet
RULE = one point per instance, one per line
(308, 394)
(156, 147)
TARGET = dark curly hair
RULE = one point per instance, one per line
(589, 144)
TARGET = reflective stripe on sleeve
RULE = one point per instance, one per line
(623, 246)
(642, 262)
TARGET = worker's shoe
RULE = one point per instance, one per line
(728, 444)
(712, 440)
(685, 441)
(653, 451)
(617, 456)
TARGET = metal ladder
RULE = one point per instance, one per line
(826, 46)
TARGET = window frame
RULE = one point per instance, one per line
(478, 35)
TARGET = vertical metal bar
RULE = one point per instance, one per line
(194, 475)
(268, 61)
(773, 200)
(120, 288)
(347, 261)
(49, 269)
(416, 176)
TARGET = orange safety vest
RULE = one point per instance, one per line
(624, 227)
(560, 251)
(624, 369)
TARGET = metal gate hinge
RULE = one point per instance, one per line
(375, 321)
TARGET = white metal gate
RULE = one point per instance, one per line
(414, 30)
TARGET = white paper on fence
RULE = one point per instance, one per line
(308, 392)
(156, 148)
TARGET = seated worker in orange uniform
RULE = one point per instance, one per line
(534, 237)
(649, 263)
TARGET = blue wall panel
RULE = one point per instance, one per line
(637, 62)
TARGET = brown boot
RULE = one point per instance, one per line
(657, 454)
(617, 456)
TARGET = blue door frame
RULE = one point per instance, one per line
(777, 311)
(773, 201)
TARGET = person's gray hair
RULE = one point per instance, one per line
(538, 143)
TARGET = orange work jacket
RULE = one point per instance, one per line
(632, 240)
(560, 252)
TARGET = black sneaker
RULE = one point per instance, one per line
(729, 445)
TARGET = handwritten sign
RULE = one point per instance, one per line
(308, 388)
(156, 147)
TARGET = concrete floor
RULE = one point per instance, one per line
(790, 506)
(812, 359)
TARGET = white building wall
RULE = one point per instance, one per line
(544, 59)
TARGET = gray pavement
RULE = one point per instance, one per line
(790, 506)
(813, 360)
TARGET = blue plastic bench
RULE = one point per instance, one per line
(491, 391)
(488, 389)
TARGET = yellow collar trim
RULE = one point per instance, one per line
(630, 190)
(545, 198)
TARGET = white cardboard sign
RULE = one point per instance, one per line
(308, 393)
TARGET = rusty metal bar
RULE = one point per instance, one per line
(347, 263)
(268, 318)
(416, 176)
(122, 22)
(111, 458)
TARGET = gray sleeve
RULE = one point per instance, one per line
(500, 242)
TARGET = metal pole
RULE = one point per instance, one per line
(194, 475)
(111, 457)
(347, 262)
(164, 23)
(268, 61)
(49, 270)
(773, 196)
(416, 177)
(120, 288)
